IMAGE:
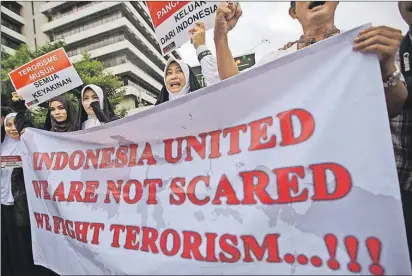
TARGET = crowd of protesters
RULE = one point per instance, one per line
(94, 108)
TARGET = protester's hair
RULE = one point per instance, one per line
(293, 4)
(193, 83)
(5, 110)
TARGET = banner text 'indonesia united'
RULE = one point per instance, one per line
(284, 169)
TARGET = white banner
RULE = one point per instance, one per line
(284, 169)
(173, 19)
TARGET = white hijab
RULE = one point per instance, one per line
(185, 68)
(92, 121)
(9, 147)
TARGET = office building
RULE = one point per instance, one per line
(12, 26)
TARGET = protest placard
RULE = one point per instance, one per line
(45, 77)
(11, 161)
(173, 19)
(297, 177)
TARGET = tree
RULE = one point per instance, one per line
(91, 71)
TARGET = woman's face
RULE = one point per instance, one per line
(11, 129)
(89, 96)
(57, 111)
(175, 79)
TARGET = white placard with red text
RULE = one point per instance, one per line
(291, 172)
(45, 77)
(173, 19)
(11, 161)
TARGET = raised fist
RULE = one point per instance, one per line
(198, 34)
(227, 16)
(15, 97)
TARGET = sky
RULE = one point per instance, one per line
(270, 21)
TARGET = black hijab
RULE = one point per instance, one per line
(52, 125)
(22, 121)
(104, 115)
(193, 83)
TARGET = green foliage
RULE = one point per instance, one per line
(8, 64)
(90, 71)
(49, 47)
(122, 111)
(38, 117)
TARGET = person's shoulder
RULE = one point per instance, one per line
(288, 48)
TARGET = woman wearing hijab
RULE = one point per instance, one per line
(60, 117)
(179, 80)
(16, 232)
(9, 147)
(94, 108)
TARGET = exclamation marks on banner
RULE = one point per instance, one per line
(352, 246)
(331, 244)
(374, 247)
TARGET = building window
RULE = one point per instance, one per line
(9, 43)
(73, 8)
(92, 45)
(114, 61)
(145, 33)
(14, 7)
(88, 25)
(10, 24)
(128, 82)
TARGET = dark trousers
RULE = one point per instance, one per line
(16, 248)
(8, 231)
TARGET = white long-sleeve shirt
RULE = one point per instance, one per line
(208, 66)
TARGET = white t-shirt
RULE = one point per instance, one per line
(277, 54)
(208, 66)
